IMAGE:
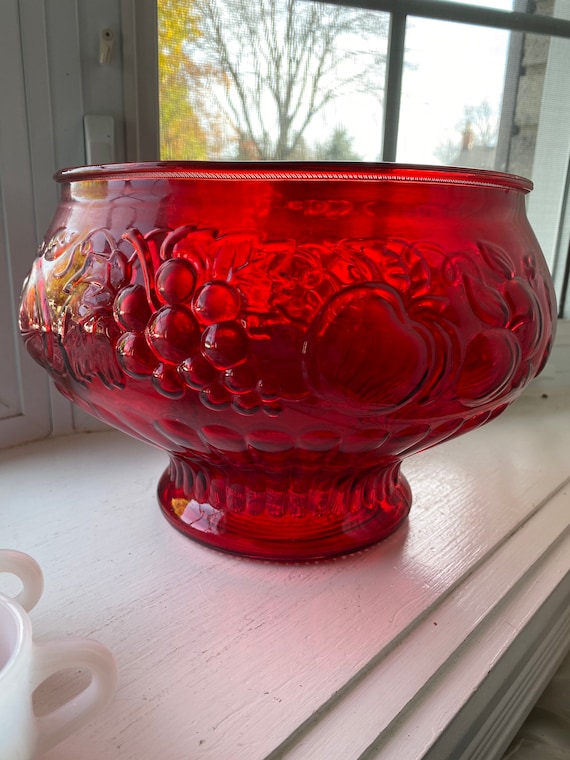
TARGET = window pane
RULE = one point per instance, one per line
(270, 79)
(555, 8)
(491, 99)
(452, 92)
(501, 5)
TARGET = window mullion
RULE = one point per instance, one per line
(393, 85)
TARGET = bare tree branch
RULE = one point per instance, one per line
(285, 61)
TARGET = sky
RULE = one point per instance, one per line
(448, 66)
(457, 66)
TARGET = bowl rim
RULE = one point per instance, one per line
(295, 170)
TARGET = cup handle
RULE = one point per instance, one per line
(28, 571)
(62, 654)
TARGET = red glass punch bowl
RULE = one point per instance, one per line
(288, 333)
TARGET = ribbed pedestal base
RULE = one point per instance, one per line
(283, 516)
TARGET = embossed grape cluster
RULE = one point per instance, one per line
(195, 338)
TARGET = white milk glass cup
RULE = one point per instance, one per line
(29, 573)
(26, 664)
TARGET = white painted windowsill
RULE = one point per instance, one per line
(433, 644)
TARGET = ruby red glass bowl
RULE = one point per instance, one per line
(288, 333)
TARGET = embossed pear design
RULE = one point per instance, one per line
(379, 380)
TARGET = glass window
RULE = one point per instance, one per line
(554, 8)
(502, 5)
(491, 99)
(274, 79)
(452, 93)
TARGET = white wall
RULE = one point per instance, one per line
(50, 77)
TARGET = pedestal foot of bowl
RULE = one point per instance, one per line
(283, 516)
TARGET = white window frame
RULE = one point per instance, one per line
(24, 388)
(49, 79)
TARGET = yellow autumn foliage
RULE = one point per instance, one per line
(182, 136)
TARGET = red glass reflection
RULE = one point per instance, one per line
(289, 333)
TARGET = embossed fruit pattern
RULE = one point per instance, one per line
(368, 326)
